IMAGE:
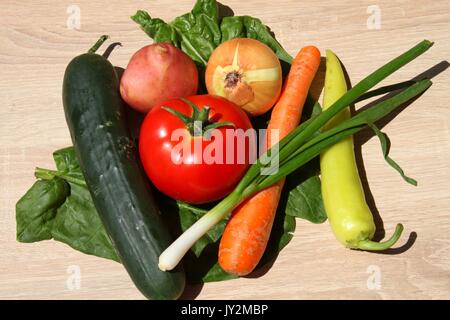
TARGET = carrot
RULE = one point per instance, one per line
(247, 233)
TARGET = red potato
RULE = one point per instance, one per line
(157, 73)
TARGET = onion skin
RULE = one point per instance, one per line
(157, 73)
(246, 72)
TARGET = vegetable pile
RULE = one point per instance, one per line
(149, 163)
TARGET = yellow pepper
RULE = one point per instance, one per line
(349, 215)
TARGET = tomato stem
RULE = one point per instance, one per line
(199, 124)
(186, 120)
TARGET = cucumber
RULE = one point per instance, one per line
(95, 116)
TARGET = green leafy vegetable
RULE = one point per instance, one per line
(78, 225)
(216, 273)
(305, 200)
(249, 27)
(205, 268)
(200, 31)
(36, 210)
(156, 28)
(61, 208)
(189, 215)
(282, 233)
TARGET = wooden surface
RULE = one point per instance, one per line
(36, 45)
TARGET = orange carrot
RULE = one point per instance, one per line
(247, 233)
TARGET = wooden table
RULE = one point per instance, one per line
(36, 45)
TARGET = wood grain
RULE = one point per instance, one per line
(35, 47)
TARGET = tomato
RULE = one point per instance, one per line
(190, 166)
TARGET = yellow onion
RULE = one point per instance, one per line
(246, 72)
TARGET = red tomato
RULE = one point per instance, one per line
(177, 162)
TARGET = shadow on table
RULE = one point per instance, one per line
(191, 291)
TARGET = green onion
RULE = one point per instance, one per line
(324, 140)
(302, 145)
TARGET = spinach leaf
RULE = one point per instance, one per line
(281, 236)
(188, 216)
(63, 210)
(66, 160)
(205, 268)
(305, 199)
(156, 28)
(216, 273)
(67, 168)
(78, 224)
(36, 210)
(200, 31)
(197, 33)
(282, 233)
(250, 27)
(207, 7)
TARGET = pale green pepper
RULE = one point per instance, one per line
(350, 217)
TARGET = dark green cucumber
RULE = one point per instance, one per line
(107, 154)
